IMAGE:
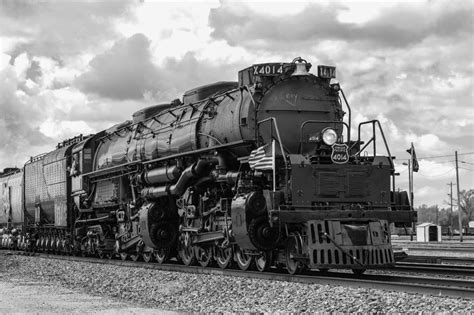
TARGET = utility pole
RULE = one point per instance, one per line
(410, 192)
(451, 204)
(459, 198)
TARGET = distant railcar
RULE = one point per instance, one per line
(11, 206)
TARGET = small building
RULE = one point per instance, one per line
(471, 228)
(428, 232)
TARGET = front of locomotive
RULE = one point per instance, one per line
(331, 198)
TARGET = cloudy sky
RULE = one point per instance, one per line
(82, 66)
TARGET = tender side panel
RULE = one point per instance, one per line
(35, 188)
(46, 188)
(55, 174)
(16, 197)
(4, 200)
(11, 199)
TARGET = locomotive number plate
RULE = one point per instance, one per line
(340, 154)
(268, 69)
(326, 72)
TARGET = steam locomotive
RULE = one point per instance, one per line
(261, 172)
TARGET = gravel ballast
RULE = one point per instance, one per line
(214, 293)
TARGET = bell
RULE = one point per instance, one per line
(300, 70)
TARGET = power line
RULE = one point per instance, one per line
(464, 162)
(438, 175)
(440, 156)
(467, 169)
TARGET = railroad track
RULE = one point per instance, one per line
(457, 270)
(436, 260)
(426, 285)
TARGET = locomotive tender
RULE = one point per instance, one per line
(263, 171)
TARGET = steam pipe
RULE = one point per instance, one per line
(193, 171)
(159, 175)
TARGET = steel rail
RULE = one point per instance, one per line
(458, 270)
(437, 260)
(431, 286)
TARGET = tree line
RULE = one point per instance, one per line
(444, 217)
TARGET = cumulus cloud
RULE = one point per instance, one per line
(59, 29)
(123, 72)
(19, 122)
(127, 71)
(398, 26)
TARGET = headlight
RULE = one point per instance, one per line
(329, 136)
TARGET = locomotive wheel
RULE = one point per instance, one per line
(187, 255)
(243, 260)
(262, 235)
(136, 254)
(164, 234)
(293, 248)
(123, 256)
(147, 256)
(263, 261)
(161, 255)
(204, 255)
(223, 257)
(186, 251)
(60, 247)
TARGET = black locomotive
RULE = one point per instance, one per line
(261, 170)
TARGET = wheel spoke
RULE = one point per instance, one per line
(187, 255)
(224, 257)
(204, 256)
(292, 248)
(243, 260)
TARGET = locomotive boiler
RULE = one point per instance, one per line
(263, 172)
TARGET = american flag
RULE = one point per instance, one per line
(414, 161)
(263, 157)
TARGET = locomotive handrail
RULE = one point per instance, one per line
(108, 170)
(373, 139)
(247, 88)
(210, 137)
(321, 122)
(198, 151)
(36, 158)
(349, 113)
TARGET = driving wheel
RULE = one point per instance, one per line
(263, 261)
(223, 257)
(243, 260)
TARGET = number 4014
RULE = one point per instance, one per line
(268, 69)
